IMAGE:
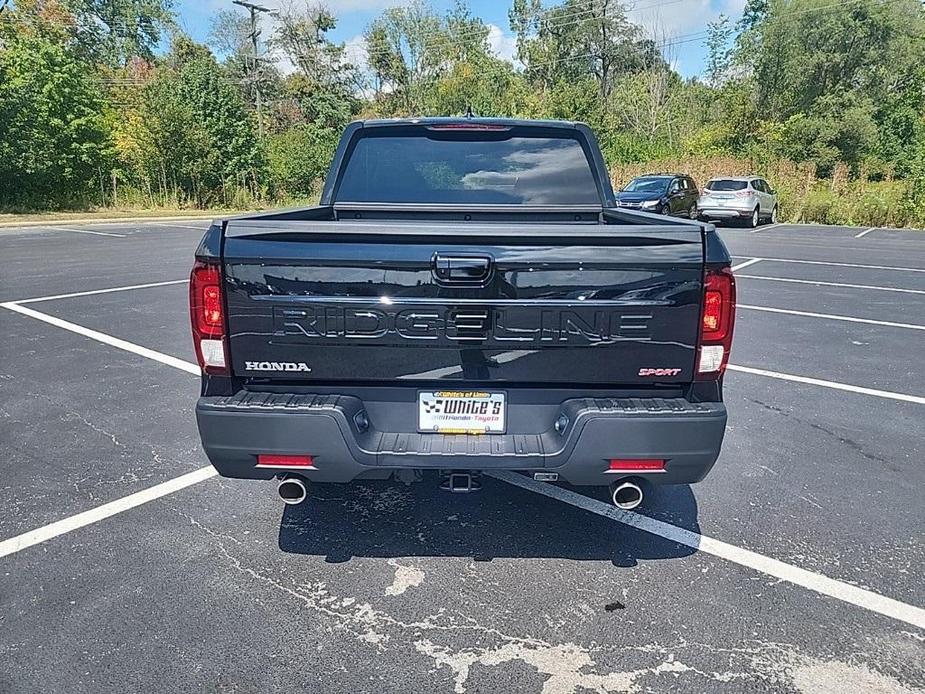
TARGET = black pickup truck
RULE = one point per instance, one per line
(467, 297)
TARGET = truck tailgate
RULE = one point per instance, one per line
(369, 301)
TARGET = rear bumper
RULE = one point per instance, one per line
(341, 436)
(724, 212)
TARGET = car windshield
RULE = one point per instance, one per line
(467, 167)
(723, 184)
(647, 184)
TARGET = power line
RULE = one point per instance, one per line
(255, 33)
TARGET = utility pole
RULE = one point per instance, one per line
(255, 32)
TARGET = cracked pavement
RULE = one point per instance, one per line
(383, 587)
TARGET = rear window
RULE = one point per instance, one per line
(467, 167)
(647, 184)
(725, 184)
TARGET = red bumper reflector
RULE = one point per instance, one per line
(637, 464)
(303, 461)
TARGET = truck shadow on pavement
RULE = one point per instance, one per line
(391, 520)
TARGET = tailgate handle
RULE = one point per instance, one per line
(461, 268)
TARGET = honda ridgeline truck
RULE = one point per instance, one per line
(467, 297)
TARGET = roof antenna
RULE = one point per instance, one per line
(469, 113)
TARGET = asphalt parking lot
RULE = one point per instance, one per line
(126, 566)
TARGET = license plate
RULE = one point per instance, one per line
(461, 412)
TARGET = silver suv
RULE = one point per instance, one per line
(746, 198)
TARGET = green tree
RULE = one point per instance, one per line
(407, 47)
(580, 39)
(900, 116)
(837, 128)
(719, 53)
(832, 75)
(472, 78)
(324, 83)
(53, 137)
(426, 63)
(801, 50)
(191, 134)
(106, 31)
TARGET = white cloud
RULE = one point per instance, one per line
(679, 26)
(733, 8)
(673, 20)
(355, 51)
(503, 45)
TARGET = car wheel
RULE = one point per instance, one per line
(753, 222)
(664, 209)
(692, 212)
(774, 215)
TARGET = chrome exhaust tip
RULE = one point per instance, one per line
(626, 495)
(292, 490)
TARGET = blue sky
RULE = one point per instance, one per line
(677, 22)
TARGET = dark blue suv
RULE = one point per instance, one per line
(674, 194)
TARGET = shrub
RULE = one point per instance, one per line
(819, 206)
(299, 158)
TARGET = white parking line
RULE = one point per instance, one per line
(747, 263)
(173, 226)
(87, 231)
(819, 283)
(104, 338)
(773, 567)
(815, 225)
(865, 232)
(100, 291)
(860, 597)
(835, 385)
(829, 316)
(118, 221)
(80, 520)
(834, 264)
(767, 227)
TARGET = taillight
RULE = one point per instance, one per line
(718, 317)
(744, 193)
(207, 315)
